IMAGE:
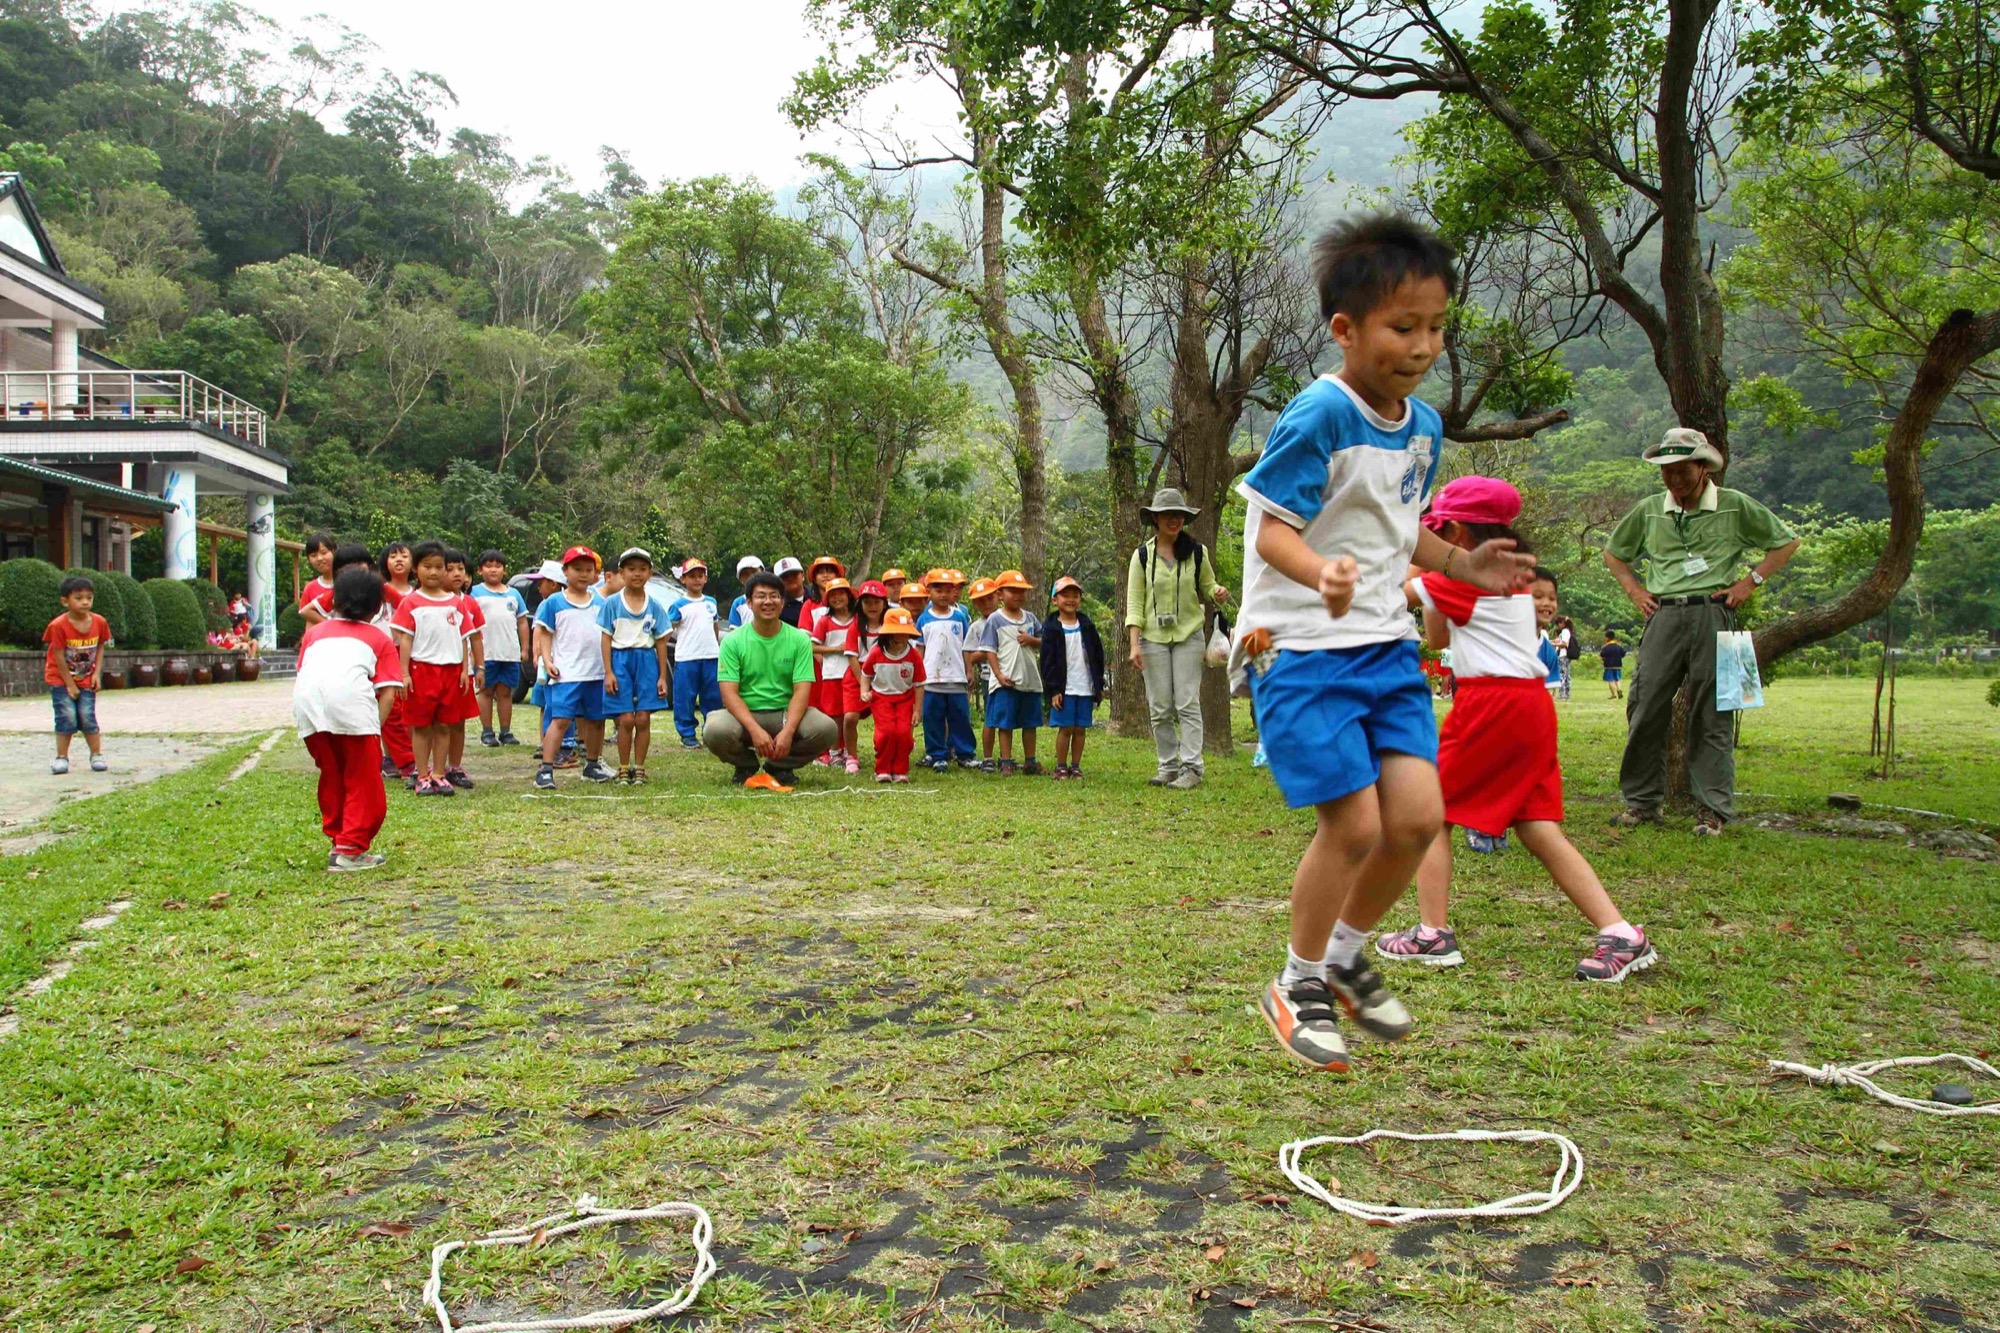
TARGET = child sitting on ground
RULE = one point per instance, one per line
(77, 639)
(1073, 663)
(349, 675)
(432, 633)
(1497, 761)
(632, 629)
(891, 680)
(504, 642)
(1013, 644)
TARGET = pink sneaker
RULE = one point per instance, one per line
(1616, 957)
(853, 764)
(902, 777)
(1421, 944)
(883, 777)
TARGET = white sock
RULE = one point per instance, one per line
(1345, 946)
(1298, 969)
(1623, 929)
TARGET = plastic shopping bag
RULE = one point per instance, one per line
(1737, 684)
(1218, 643)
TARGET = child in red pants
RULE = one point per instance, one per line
(349, 676)
(892, 685)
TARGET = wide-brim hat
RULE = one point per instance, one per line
(1013, 578)
(913, 590)
(896, 621)
(1168, 500)
(893, 573)
(836, 585)
(822, 560)
(1683, 445)
(981, 588)
(948, 577)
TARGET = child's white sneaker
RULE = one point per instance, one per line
(98, 763)
(882, 777)
(58, 766)
(853, 764)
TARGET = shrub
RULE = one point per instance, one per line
(214, 603)
(108, 602)
(142, 627)
(178, 614)
(1993, 694)
(28, 600)
(291, 625)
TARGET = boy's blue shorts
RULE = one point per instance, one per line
(74, 715)
(1614, 673)
(503, 673)
(582, 700)
(1014, 710)
(1076, 711)
(1328, 716)
(638, 673)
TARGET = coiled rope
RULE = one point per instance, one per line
(1569, 1174)
(1857, 1076)
(586, 1213)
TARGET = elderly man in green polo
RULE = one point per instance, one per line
(1693, 544)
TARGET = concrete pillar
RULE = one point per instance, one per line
(63, 335)
(263, 564)
(73, 558)
(177, 527)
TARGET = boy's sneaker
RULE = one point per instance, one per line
(596, 771)
(1260, 759)
(458, 777)
(690, 745)
(988, 766)
(1302, 1017)
(1368, 1002)
(566, 758)
(1421, 944)
(638, 777)
(345, 862)
(488, 738)
(1163, 778)
(1488, 843)
(508, 738)
(58, 766)
(98, 763)
(1615, 957)
(1189, 779)
(969, 765)
(1007, 768)
(1031, 769)
(545, 777)
(389, 769)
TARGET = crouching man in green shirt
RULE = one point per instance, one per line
(1692, 543)
(766, 677)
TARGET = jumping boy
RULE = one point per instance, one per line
(504, 642)
(349, 674)
(568, 646)
(947, 711)
(632, 639)
(1325, 643)
(77, 639)
(1613, 656)
(697, 646)
(432, 633)
(1012, 641)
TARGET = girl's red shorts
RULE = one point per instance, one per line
(834, 697)
(1497, 755)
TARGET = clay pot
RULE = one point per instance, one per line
(111, 680)
(249, 669)
(225, 670)
(204, 675)
(145, 675)
(175, 672)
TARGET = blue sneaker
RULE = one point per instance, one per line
(1259, 759)
(1487, 843)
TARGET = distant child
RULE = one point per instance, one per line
(747, 568)
(891, 682)
(1072, 663)
(984, 596)
(947, 712)
(1325, 642)
(399, 758)
(504, 642)
(1012, 640)
(349, 674)
(697, 647)
(871, 601)
(77, 639)
(1613, 656)
(569, 647)
(316, 598)
(913, 598)
(1546, 650)
(892, 582)
(432, 633)
(1497, 759)
(458, 579)
(819, 573)
(239, 613)
(838, 693)
(632, 643)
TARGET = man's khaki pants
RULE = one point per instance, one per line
(727, 741)
(1679, 645)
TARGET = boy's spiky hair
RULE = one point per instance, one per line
(76, 583)
(492, 558)
(423, 551)
(453, 556)
(1358, 261)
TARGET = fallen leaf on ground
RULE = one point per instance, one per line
(540, 1238)
(120, 1233)
(218, 899)
(1104, 1265)
(1247, 1302)
(194, 1263)
(1367, 1258)
(390, 1230)
(1214, 1252)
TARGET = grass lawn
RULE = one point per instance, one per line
(980, 1054)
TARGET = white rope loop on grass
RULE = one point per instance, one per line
(585, 1214)
(1569, 1174)
(1857, 1076)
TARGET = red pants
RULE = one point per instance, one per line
(351, 799)
(894, 714)
(396, 738)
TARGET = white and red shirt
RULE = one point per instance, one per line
(893, 673)
(317, 595)
(832, 632)
(342, 663)
(391, 599)
(436, 626)
(1492, 635)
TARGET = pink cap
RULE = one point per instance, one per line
(1474, 500)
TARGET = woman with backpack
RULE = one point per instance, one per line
(1170, 578)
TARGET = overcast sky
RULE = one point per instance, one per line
(684, 87)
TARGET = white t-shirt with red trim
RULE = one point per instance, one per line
(342, 663)
(436, 626)
(318, 595)
(893, 675)
(1491, 635)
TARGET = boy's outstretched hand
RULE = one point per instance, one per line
(1497, 567)
(1337, 578)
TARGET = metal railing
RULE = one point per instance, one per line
(126, 395)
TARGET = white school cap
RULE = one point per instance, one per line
(748, 562)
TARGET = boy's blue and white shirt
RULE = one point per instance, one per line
(693, 622)
(739, 613)
(504, 609)
(574, 641)
(1354, 484)
(943, 636)
(629, 628)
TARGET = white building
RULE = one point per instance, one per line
(90, 449)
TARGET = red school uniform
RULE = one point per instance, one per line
(837, 691)
(893, 679)
(437, 629)
(317, 594)
(82, 649)
(396, 731)
(475, 619)
(342, 665)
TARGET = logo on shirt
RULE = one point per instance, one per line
(1420, 462)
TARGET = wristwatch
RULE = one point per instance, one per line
(1756, 578)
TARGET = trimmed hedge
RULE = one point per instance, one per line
(108, 602)
(214, 604)
(142, 627)
(28, 600)
(291, 625)
(178, 613)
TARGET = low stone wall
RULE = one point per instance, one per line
(21, 673)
